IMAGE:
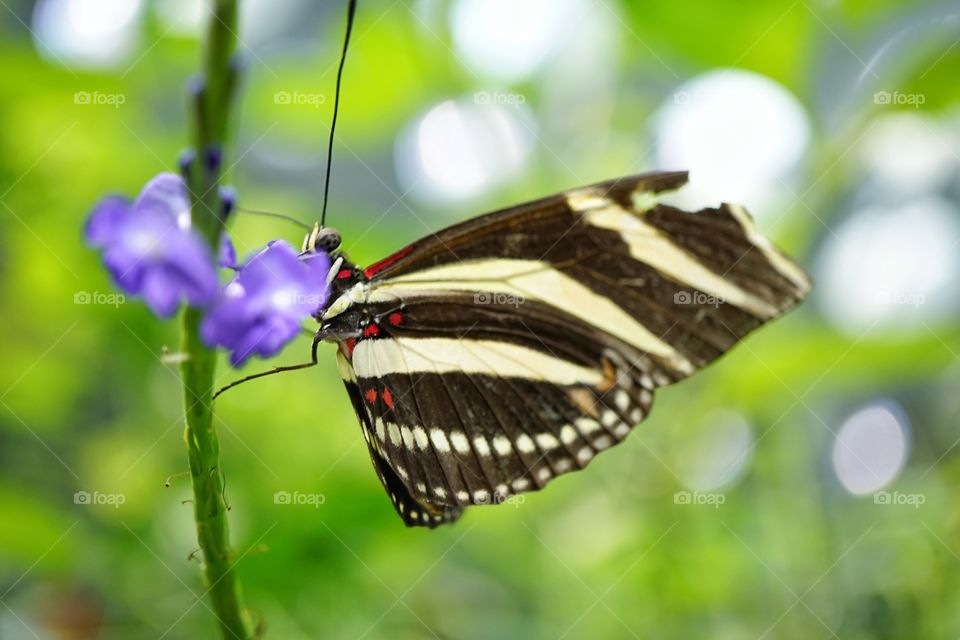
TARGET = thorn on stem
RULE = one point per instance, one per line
(166, 483)
(223, 490)
(172, 357)
(256, 550)
(260, 630)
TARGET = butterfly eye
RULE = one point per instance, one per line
(328, 240)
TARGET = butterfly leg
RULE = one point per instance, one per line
(293, 367)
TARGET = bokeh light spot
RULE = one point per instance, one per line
(717, 454)
(509, 40)
(871, 447)
(739, 134)
(87, 33)
(890, 267)
(460, 149)
(909, 153)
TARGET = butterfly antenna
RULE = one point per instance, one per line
(351, 10)
(271, 214)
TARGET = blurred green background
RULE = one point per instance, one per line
(805, 486)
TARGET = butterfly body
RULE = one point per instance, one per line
(493, 356)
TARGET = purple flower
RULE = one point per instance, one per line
(149, 248)
(260, 311)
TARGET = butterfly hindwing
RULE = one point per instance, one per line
(473, 402)
(412, 511)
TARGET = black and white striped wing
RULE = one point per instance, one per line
(470, 403)
(413, 512)
(513, 348)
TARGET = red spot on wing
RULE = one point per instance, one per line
(377, 267)
(344, 273)
(395, 318)
(371, 396)
(351, 344)
(371, 330)
(388, 398)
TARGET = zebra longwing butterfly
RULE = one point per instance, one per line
(495, 355)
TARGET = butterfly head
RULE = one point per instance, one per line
(344, 279)
(326, 239)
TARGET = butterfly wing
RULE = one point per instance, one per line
(487, 235)
(681, 287)
(471, 403)
(502, 352)
(413, 512)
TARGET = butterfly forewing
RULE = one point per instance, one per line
(498, 354)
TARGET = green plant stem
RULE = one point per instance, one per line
(209, 135)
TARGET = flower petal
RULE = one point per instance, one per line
(126, 268)
(150, 250)
(160, 292)
(189, 263)
(265, 338)
(317, 269)
(273, 267)
(166, 193)
(261, 310)
(105, 220)
(227, 254)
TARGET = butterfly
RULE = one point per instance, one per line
(495, 355)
